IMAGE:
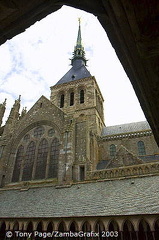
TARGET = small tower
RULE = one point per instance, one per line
(2, 110)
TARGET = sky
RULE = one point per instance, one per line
(36, 59)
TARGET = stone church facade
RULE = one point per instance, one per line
(62, 169)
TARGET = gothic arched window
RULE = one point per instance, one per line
(141, 148)
(41, 160)
(28, 162)
(62, 99)
(112, 150)
(71, 98)
(18, 163)
(82, 96)
(54, 157)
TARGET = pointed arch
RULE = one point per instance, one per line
(41, 159)
(54, 158)
(156, 227)
(71, 98)
(99, 225)
(114, 227)
(86, 227)
(3, 231)
(73, 227)
(30, 227)
(82, 96)
(99, 228)
(18, 164)
(62, 227)
(50, 227)
(128, 230)
(16, 226)
(144, 230)
(39, 228)
(29, 161)
(62, 100)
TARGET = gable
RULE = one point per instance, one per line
(124, 158)
(43, 112)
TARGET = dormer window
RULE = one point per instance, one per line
(73, 77)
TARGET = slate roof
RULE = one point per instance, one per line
(150, 158)
(78, 71)
(102, 164)
(126, 128)
(118, 197)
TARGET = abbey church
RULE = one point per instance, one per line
(62, 169)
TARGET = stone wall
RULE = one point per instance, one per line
(130, 142)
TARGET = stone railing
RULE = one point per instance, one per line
(126, 171)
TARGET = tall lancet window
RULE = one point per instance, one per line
(141, 148)
(18, 163)
(82, 96)
(54, 157)
(62, 100)
(29, 161)
(41, 159)
(71, 98)
(112, 150)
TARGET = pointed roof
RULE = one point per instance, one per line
(78, 62)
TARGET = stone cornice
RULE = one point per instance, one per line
(125, 135)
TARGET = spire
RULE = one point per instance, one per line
(79, 39)
(78, 58)
(78, 62)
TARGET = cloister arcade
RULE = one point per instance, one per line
(131, 228)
